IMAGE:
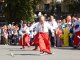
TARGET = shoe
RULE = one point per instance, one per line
(51, 53)
(34, 49)
(22, 48)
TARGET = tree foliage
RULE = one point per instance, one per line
(20, 9)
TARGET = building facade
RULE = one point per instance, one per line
(2, 17)
(59, 5)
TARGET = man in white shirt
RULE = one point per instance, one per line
(41, 38)
(53, 22)
(54, 25)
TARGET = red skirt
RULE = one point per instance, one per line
(76, 39)
(43, 40)
(40, 35)
(24, 40)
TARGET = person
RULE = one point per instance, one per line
(76, 36)
(10, 33)
(66, 31)
(32, 35)
(0, 34)
(63, 23)
(5, 34)
(53, 22)
(15, 35)
(58, 35)
(70, 34)
(68, 18)
(66, 37)
(54, 25)
(42, 38)
(25, 39)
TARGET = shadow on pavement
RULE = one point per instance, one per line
(21, 50)
(28, 54)
(67, 48)
(24, 54)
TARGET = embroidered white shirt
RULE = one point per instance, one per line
(26, 29)
(42, 28)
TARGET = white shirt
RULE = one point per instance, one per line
(53, 24)
(26, 29)
(38, 27)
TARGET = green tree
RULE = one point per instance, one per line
(20, 9)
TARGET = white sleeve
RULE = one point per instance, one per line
(50, 27)
(33, 26)
(27, 30)
(21, 25)
(55, 25)
(20, 32)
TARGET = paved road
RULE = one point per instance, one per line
(65, 53)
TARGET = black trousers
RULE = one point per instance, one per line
(52, 39)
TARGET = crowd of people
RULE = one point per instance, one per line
(9, 34)
(62, 33)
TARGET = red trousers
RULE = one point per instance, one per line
(42, 40)
(25, 40)
(76, 39)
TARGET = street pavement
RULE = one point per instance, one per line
(60, 53)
